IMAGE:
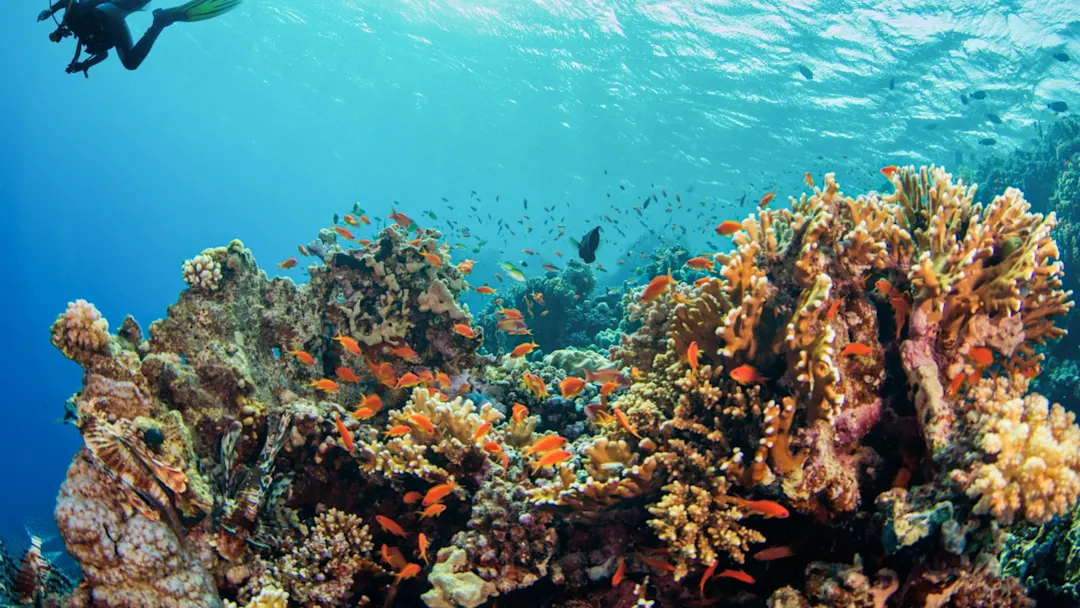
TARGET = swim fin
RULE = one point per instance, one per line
(196, 10)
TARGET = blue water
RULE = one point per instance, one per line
(262, 124)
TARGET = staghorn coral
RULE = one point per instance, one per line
(699, 524)
(202, 272)
(1025, 456)
(322, 564)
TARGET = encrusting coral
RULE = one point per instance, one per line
(851, 379)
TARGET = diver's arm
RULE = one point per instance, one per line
(84, 66)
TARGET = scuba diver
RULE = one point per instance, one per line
(99, 25)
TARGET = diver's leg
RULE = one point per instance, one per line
(132, 56)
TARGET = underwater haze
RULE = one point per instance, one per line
(269, 122)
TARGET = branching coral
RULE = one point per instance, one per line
(80, 330)
(202, 272)
(321, 566)
(1026, 460)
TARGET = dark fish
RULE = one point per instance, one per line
(930, 127)
(988, 141)
(980, 95)
(472, 192)
(892, 83)
(605, 171)
(1060, 56)
(964, 98)
(994, 118)
(445, 200)
(647, 201)
(336, 219)
(497, 197)
(587, 246)
(526, 202)
(1058, 106)
(622, 187)
(805, 71)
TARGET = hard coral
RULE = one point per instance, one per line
(80, 331)
(1026, 454)
(202, 272)
(322, 565)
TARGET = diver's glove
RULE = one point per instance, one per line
(78, 66)
(43, 15)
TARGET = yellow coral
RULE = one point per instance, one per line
(615, 474)
(1030, 453)
(269, 597)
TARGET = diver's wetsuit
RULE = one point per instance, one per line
(100, 25)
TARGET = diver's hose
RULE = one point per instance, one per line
(66, 9)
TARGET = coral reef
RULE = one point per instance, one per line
(851, 380)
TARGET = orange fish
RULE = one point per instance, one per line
(624, 422)
(545, 445)
(551, 459)
(412, 497)
(702, 281)
(774, 553)
(522, 349)
(766, 508)
(738, 575)
(346, 436)
(808, 179)
(983, 356)
(365, 220)
(493, 448)
(325, 384)
(384, 373)
(303, 250)
(350, 220)
(700, 263)
(832, 310)
(657, 287)
(520, 412)
(481, 431)
(302, 356)
(432, 259)
(393, 557)
(350, 344)
(505, 464)
(464, 330)
(901, 308)
(398, 431)
(372, 402)
(427, 378)
(437, 493)
(415, 242)
(287, 264)
(856, 349)
(620, 573)
(409, 571)
(442, 380)
(903, 477)
(400, 218)
(409, 380)
(536, 384)
(346, 374)
(364, 242)
(747, 374)
(659, 564)
(692, 356)
(484, 290)
(887, 288)
(603, 376)
(511, 313)
(608, 388)
(406, 353)
(390, 526)
(557, 252)
(728, 227)
(344, 232)
(423, 422)
(705, 578)
(954, 386)
(765, 200)
(888, 171)
(432, 511)
(637, 374)
(423, 544)
(466, 266)
(363, 413)
(1031, 372)
(571, 386)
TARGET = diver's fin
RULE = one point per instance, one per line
(198, 10)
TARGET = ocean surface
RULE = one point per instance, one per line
(264, 123)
